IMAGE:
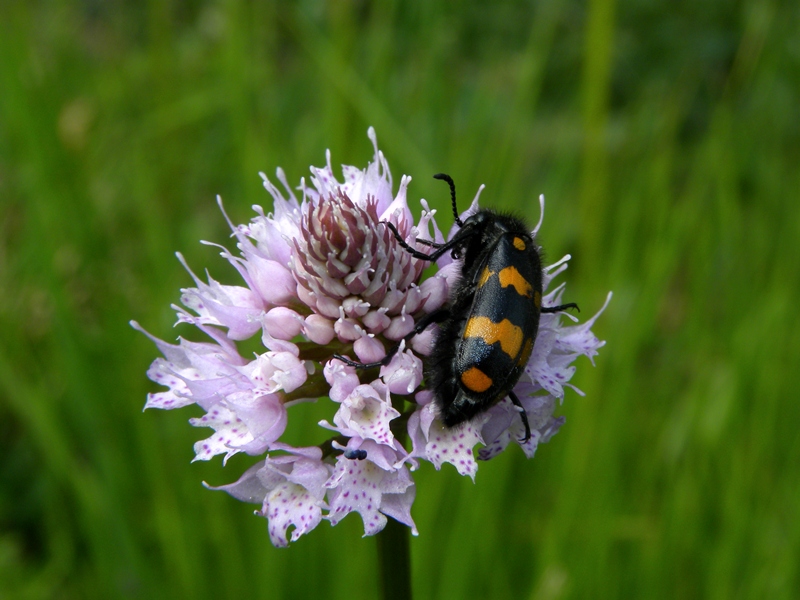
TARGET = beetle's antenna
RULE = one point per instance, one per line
(452, 185)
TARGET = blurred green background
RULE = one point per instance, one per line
(666, 137)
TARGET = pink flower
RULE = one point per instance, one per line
(322, 275)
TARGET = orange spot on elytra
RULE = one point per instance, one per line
(519, 244)
(505, 332)
(476, 380)
(537, 300)
(485, 276)
(510, 276)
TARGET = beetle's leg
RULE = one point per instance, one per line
(559, 308)
(458, 239)
(412, 251)
(429, 243)
(523, 415)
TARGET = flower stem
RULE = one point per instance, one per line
(394, 550)
(394, 556)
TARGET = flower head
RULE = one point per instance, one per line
(326, 273)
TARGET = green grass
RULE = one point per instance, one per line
(667, 141)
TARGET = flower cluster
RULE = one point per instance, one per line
(322, 276)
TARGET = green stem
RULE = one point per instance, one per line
(394, 558)
(394, 549)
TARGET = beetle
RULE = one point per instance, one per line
(489, 325)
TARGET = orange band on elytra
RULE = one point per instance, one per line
(510, 276)
(505, 332)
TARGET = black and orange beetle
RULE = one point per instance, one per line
(489, 325)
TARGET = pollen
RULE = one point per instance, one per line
(476, 380)
(509, 335)
(510, 276)
(537, 300)
(519, 244)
